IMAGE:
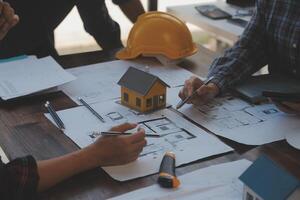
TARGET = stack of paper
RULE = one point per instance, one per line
(30, 75)
(217, 182)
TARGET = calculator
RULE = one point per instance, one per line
(213, 12)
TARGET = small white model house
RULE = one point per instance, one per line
(265, 180)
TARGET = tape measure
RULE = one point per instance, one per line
(167, 177)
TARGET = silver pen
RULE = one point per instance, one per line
(182, 102)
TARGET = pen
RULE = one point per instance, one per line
(55, 116)
(116, 133)
(182, 102)
(91, 109)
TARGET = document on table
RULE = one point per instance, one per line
(218, 182)
(293, 136)
(187, 141)
(30, 75)
(3, 156)
(98, 82)
(239, 121)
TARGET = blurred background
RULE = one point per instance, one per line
(71, 37)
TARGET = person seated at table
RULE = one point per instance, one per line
(35, 33)
(271, 38)
(24, 177)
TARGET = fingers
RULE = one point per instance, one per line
(203, 95)
(136, 137)
(8, 12)
(8, 19)
(15, 20)
(124, 127)
(137, 148)
(190, 86)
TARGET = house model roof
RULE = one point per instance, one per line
(139, 81)
(269, 180)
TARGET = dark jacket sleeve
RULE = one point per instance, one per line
(246, 56)
(119, 2)
(19, 179)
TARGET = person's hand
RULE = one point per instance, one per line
(118, 150)
(288, 107)
(8, 19)
(204, 92)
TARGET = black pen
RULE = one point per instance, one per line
(116, 133)
(55, 116)
(182, 102)
(91, 109)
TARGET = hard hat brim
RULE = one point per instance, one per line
(126, 54)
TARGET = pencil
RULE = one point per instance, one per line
(116, 133)
(91, 109)
(55, 116)
(182, 102)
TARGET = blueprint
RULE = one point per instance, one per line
(187, 141)
(98, 82)
(237, 120)
(218, 182)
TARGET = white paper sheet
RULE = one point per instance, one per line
(218, 182)
(293, 136)
(237, 120)
(3, 156)
(30, 75)
(98, 82)
(186, 140)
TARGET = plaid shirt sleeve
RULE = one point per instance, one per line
(246, 56)
(19, 179)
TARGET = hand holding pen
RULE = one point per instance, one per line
(197, 92)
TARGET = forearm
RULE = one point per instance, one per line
(132, 9)
(58, 169)
(246, 56)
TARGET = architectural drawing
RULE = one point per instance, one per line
(186, 140)
(170, 134)
(229, 113)
(238, 120)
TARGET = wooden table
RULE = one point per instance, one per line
(24, 130)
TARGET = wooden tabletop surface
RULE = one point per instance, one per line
(24, 130)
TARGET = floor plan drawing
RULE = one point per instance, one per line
(177, 134)
(170, 134)
(229, 113)
(235, 119)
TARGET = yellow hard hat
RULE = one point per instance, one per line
(158, 33)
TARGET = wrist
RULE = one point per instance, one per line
(93, 156)
(214, 89)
